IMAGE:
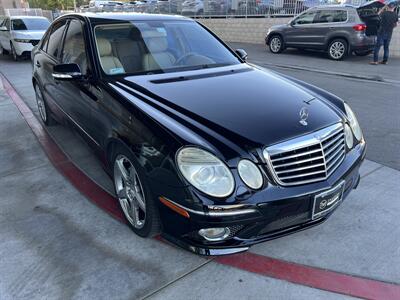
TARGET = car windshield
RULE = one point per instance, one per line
(150, 47)
(30, 24)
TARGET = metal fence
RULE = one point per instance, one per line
(30, 12)
(219, 8)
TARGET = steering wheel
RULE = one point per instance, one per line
(185, 56)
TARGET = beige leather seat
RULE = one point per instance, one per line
(110, 63)
(158, 56)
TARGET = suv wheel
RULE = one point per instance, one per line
(14, 53)
(276, 44)
(3, 51)
(337, 49)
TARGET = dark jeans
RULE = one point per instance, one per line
(382, 40)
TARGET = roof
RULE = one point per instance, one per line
(333, 6)
(27, 17)
(128, 16)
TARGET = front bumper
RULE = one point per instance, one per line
(22, 48)
(277, 211)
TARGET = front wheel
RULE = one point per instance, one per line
(276, 44)
(134, 195)
(337, 49)
(3, 51)
(14, 53)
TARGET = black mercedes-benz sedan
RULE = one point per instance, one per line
(212, 152)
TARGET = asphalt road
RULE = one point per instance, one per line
(376, 101)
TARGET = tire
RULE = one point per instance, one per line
(14, 54)
(3, 51)
(337, 49)
(362, 52)
(131, 184)
(44, 111)
(276, 44)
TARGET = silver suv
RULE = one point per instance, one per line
(338, 30)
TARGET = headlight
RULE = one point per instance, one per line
(205, 172)
(349, 136)
(250, 174)
(22, 41)
(353, 122)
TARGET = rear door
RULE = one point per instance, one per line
(300, 33)
(328, 22)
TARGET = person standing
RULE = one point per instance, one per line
(388, 22)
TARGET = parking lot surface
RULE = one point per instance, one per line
(54, 243)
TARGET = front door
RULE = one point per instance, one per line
(301, 30)
(77, 97)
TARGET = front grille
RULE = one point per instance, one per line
(309, 158)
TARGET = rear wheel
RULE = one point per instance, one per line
(362, 52)
(134, 195)
(337, 49)
(276, 44)
(44, 112)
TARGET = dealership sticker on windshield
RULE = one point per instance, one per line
(117, 71)
(328, 200)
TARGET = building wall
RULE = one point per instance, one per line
(253, 30)
(6, 4)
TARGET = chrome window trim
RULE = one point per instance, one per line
(311, 139)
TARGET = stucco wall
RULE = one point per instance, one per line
(253, 30)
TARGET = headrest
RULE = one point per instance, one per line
(157, 44)
(104, 47)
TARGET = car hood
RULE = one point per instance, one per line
(248, 106)
(32, 35)
(277, 27)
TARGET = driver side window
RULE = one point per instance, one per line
(306, 18)
(74, 51)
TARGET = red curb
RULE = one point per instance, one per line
(251, 262)
(61, 162)
(312, 277)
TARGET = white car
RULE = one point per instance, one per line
(19, 34)
(193, 7)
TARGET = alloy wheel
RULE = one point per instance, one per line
(337, 50)
(130, 191)
(40, 103)
(275, 44)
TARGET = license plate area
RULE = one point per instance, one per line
(327, 201)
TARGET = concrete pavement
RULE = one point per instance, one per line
(56, 244)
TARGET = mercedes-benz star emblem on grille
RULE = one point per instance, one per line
(303, 116)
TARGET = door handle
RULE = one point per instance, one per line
(38, 64)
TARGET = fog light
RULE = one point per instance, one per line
(215, 234)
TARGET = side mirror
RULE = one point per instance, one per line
(243, 54)
(67, 72)
(292, 23)
(3, 28)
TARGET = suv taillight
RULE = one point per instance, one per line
(360, 27)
